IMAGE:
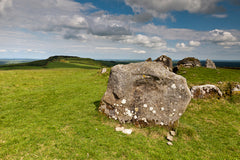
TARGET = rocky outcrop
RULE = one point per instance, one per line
(236, 89)
(149, 60)
(166, 61)
(145, 94)
(210, 64)
(189, 62)
(205, 91)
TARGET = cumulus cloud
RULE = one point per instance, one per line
(223, 38)
(194, 43)
(145, 41)
(113, 48)
(3, 50)
(107, 25)
(170, 33)
(139, 51)
(4, 5)
(159, 7)
(191, 46)
(183, 46)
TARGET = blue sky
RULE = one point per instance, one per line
(120, 29)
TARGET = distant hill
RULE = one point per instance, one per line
(63, 62)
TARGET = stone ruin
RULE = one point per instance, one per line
(189, 62)
(145, 94)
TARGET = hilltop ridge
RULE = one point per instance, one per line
(61, 61)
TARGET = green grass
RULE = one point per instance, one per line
(201, 75)
(52, 114)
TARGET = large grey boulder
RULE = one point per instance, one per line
(205, 91)
(167, 61)
(210, 64)
(145, 94)
(189, 62)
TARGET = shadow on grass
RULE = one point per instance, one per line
(97, 104)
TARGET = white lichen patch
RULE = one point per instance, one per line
(180, 114)
(135, 117)
(128, 112)
(145, 106)
(162, 108)
(173, 86)
(180, 97)
(161, 123)
(151, 108)
(154, 112)
(174, 110)
(145, 120)
(124, 101)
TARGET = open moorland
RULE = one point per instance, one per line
(50, 111)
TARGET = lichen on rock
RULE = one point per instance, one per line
(152, 99)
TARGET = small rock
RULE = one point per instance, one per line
(127, 131)
(173, 133)
(169, 143)
(205, 91)
(210, 64)
(119, 129)
(220, 82)
(236, 88)
(169, 137)
(167, 61)
(104, 70)
(149, 60)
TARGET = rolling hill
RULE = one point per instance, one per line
(62, 62)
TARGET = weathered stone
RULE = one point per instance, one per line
(166, 61)
(189, 62)
(149, 60)
(169, 143)
(173, 133)
(236, 89)
(127, 131)
(145, 94)
(205, 91)
(104, 70)
(210, 64)
(119, 129)
(169, 138)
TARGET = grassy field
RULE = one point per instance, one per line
(52, 114)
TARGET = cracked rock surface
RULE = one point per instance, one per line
(145, 93)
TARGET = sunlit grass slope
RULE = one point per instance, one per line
(51, 114)
(61, 62)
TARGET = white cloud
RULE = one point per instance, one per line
(145, 41)
(194, 43)
(220, 15)
(4, 5)
(139, 51)
(183, 46)
(223, 38)
(159, 7)
(113, 48)
(171, 33)
(3, 50)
